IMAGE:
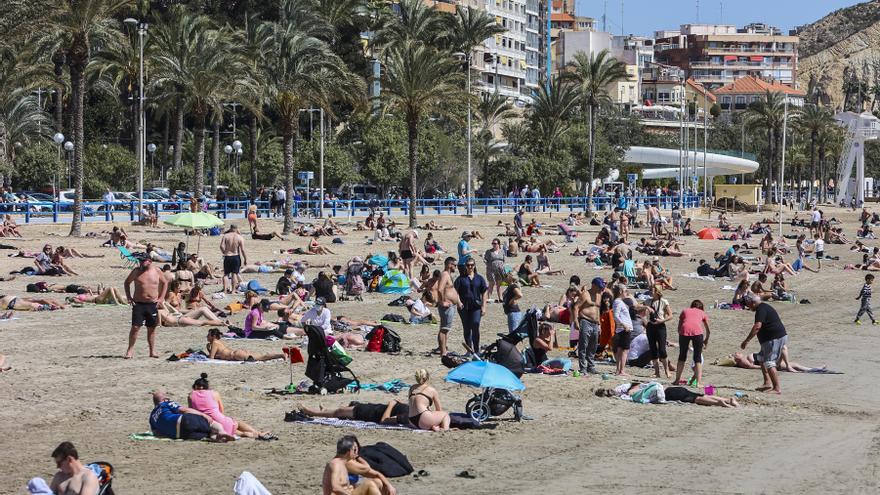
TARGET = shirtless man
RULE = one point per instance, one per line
(232, 248)
(149, 290)
(409, 253)
(654, 220)
(447, 302)
(72, 477)
(347, 467)
(586, 307)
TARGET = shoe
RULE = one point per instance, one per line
(857, 322)
(875, 323)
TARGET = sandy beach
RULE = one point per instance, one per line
(69, 382)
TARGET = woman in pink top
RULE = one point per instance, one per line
(208, 402)
(691, 326)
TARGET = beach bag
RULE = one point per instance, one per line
(452, 360)
(37, 287)
(214, 231)
(374, 339)
(394, 317)
(383, 339)
(387, 460)
(339, 352)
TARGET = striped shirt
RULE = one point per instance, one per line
(866, 292)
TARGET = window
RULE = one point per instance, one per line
(740, 100)
(756, 99)
(725, 100)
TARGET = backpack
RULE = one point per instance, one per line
(383, 339)
(452, 360)
(387, 460)
(394, 317)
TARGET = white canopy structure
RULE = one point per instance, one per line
(663, 163)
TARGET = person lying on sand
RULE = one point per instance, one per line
(678, 394)
(392, 413)
(20, 303)
(218, 350)
(208, 402)
(110, 295)
(753, 362)
(171, 420)
(200, 317)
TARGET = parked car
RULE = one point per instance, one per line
(65, 203)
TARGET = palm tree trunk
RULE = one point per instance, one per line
(823, 184)
(591, 158)
(812, 165)
(77, 86)
(253, 152)
(215, 158)
(199, 170)
(412, 136)
(178, 137)
(289, 147)
(59, 108)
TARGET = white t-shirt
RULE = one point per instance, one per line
(820, 246)
(319, 316)
(638, 346)
(419, 308)
(817, 216)
(621, 316)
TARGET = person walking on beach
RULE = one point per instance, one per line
(587, 312)
(623, 329)
(149, 290)
(865, 297)
(232, 248)
(772, 337)
(471, 288)
(693, 329)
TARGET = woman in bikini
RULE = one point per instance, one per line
(110, 295)
(544, 267)
(168, 318)
(58, 262)
(315, 248)
(526, 274)
(252, 217)
(14, 303)
(218, 350)
(422, 398)
(196, 299)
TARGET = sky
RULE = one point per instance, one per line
(643, 17)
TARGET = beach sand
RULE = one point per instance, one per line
(821, 436)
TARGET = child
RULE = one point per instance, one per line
(865, 296)
(818, 248)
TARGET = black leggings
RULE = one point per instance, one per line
(683, 347)
(657, 340)
(681, 394)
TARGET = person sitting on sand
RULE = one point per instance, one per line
(9, 227)
(544, 267)
(315, 248)
(422, 398)
(196, 298)
(332, 228)
(208, 402)
(218, 350)
(20, 303)
(72, 478)
(200, 317)
(349, 474)
(526, 274)
(171, 420)
(634, 391)
(392, 413)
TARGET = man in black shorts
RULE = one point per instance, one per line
(392, 413)
(149, 288)
(232, 248)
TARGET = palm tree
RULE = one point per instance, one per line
(492, 110)
(552, 109)
(418, 80)
(767, 114)
(204, 72)
(592, 75)
(812, 121)
(257, 38)
(75, 26)
(303, 72)
(21, 121)
(415, 21)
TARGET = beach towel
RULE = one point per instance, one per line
(393, 386)
(38, 486)
(728, 287)
(348, 423)
(248, 484)
(148, 436)
(697, 276)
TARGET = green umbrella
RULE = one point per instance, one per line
(194, 221)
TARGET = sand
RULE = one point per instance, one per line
(821, 436)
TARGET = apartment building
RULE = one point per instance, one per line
(719, 54)
(503, 65)
(536, 58)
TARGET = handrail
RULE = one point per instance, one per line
(60, 212)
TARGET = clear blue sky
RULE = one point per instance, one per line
(643, 17)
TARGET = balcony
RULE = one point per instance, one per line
(732, 50)
(741, 65)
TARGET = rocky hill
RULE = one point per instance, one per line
(845, 41)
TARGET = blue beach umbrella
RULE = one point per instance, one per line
(484, 374)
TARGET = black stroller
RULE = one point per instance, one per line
(323, 368)
(495, 402)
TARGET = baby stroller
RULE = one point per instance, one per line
(104, 472)
(495, 401)
(354, 278)
(323, 368)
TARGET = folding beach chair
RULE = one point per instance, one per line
(130, 259)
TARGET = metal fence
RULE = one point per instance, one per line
(102, 211)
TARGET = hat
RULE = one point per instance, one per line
(466, 233)
(357, 259)
(265, 303)
(319, 301)
(599, 282)
(288, 272)
(415, 234)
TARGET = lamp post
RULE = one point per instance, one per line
(168, 153)
(58, 138)
(470, 194)
(228, 150)
(321, 163)
(142, 155)
(151, 148)
(40, 92)
(234, 106)
(68, 147)
(236, 146)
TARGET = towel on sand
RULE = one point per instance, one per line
(248, 484)
(350, 423)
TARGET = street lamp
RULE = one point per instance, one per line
(142, 155)
(236, 145)
(68, 147)
(321, 164)
(151, 148)
(467, 60)
(238, 154)
(58, 138)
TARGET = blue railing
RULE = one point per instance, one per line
(61, 212)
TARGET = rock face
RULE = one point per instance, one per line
(844, 42)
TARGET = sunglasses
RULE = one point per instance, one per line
(470, 266)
